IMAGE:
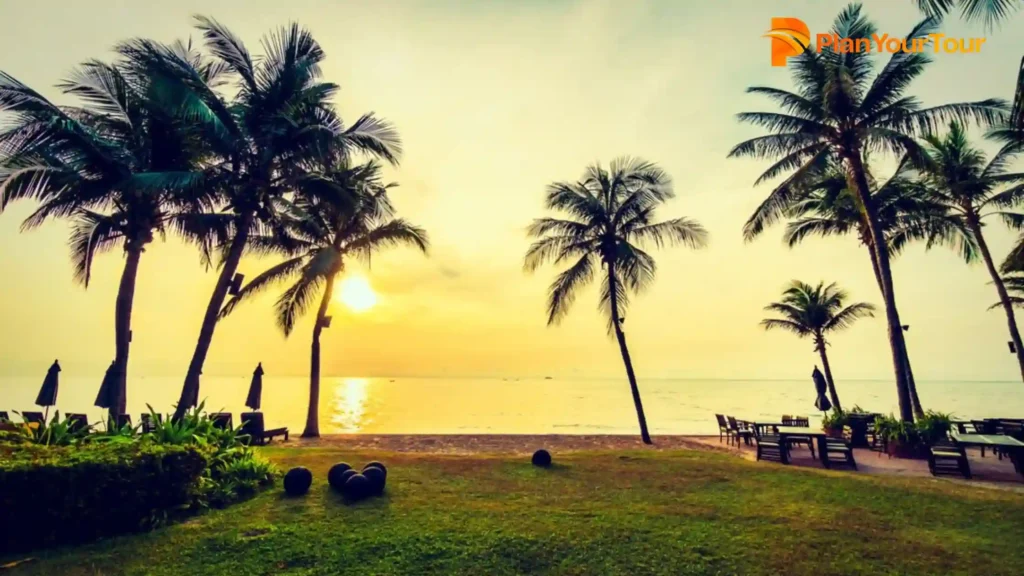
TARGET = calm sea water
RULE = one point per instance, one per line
(509, 406)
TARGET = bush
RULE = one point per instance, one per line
(934, 426)
(835, 420)
(51, 495)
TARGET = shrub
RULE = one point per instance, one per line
(52, 494)
(934, 426)
(836, 419)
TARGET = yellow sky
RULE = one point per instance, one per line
(494, 100)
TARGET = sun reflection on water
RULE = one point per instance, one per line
(350, 404)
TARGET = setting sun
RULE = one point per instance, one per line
(356, 293)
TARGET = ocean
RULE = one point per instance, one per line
(522, 405)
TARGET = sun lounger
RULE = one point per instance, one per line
(222, 420)
(252, 425)
(33, 417)
(4, 417)
(77, 422)
(147, 422)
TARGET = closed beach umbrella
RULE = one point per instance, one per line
(48, 393)
(108, 396)
(255, 389)
(822, 402)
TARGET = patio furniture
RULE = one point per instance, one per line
(771, 447)
(739, 431)
(119, 421)
(786, 433)
(1005, 444)
(222, 420)
(4, 417)
(252, 425)
(837, 453)
(858, 429)
(77, 422)
(723, 428)
(948, 459)
(33, 418)
(147, 423)
(765, 428)
(964, 426)
(799, 422)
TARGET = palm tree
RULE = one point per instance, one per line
(607, 219)
(118, 167)
(906, 212)
(839, 112)
(991, 11)
(270, 138)
(815, 311)
(972, 189)
(318, 243)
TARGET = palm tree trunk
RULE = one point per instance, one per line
(859, 180)
(915, 400)
(313, 412)
(644, 434)
(123, 324)
(819, 343)
(1004, 298)
(190, 390)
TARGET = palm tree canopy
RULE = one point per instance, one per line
(321, 233)
(807, 310)
(607, 218)
(841, 107)
(990, 11)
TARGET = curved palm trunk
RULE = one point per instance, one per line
(190, 390)
(915, 400)
(1004, 298)
(819, 343)
(123, 325)
(621, 337)
(860, 183)
(313, 412)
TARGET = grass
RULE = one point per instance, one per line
(593, 513)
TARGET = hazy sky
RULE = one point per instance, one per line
(494, 100)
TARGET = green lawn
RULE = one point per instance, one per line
(594, 513)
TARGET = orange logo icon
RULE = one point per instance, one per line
(790, 37)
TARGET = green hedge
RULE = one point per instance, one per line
(54, 495)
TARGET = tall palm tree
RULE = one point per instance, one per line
(317, 245)
(606, 219)
(906, 212)
(814, 311)
(991, 11)
(972, 189)
(840, 111)
(269, 138)
(119, 167)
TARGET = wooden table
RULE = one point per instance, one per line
(818, 436)
(1011, 445)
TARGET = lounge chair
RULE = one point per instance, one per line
(723, 428)
(147, 422)
(119, 421)
(838, 452)
(948, 459)
(77, 422)
(33, 417)
(739, 430)
(771, 447)
(799, 422)
(252, 425)
(222, 420)
(4, 417)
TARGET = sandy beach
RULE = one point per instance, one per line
(500, 443)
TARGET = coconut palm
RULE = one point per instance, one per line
(815, 311)
(317, 245)
(606, 219)
(271, 137)
(905, 210)
(973, 189)
(840, 111)
(991, 11)
(117, 166)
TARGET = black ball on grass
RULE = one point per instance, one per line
(357, 487)
(297, 481)
(377, 479)
(541, 458)
(378, 465)
(334, 477)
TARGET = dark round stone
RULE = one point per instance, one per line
(357, 487)
(345, 476)
(378, 465)
(377, 479)
(334, 475)
(541, 458)
(297, 481)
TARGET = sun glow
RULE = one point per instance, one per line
(356, 293)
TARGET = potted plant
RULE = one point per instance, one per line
(833, 423)
(902, 439)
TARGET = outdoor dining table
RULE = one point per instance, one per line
(762, 427)
(1011, 445)
(819, 437)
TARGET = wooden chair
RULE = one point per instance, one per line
(147, 423)
(77, 422)
(771, 447)
(838, 452)
(222, 420)
(739, 430)
(723, 428)
(799, 422)
(1013, 428)
(964, 427)
(948, 459)
(252, 426)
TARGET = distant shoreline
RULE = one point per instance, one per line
(496, 443)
